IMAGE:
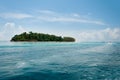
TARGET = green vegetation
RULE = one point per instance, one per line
(68, 39)
(40, 37)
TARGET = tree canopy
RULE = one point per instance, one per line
(40, 37)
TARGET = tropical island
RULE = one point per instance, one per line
(40, 37)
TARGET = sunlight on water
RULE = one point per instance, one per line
(59, 61)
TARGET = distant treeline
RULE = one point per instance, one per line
(40, 37)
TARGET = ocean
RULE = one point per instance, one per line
(59, 61)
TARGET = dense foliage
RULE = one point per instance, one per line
(40, 37)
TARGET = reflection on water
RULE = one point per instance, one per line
(59, 61)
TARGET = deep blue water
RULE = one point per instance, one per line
(59, 61)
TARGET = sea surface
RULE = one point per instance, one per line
(59, 61)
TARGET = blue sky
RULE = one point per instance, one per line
(86, 20)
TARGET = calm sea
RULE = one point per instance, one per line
(59, 61)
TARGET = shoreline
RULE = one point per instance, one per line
(42, 41)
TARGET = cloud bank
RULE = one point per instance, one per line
(10, 29)
(107, 34)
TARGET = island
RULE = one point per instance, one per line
(37, 37)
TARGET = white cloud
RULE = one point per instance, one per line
(68, 19)
(107, 34)
(9, 30)
(50, 16)
(46, 12)
(76, 15)
(15, 15)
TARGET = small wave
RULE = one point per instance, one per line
(21, 64)
(94, 64)
(107, 47)
(109, 43)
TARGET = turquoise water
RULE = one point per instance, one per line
(59, 61)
